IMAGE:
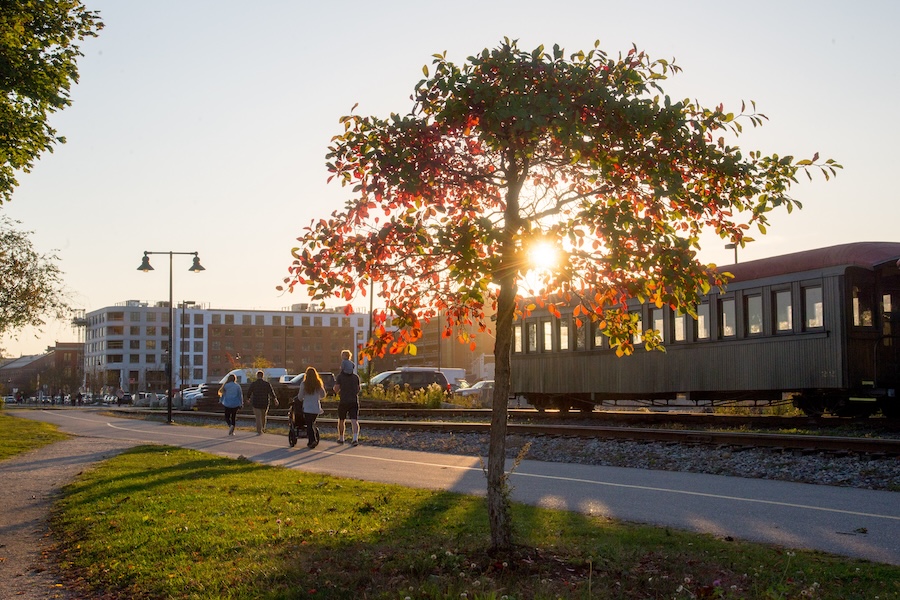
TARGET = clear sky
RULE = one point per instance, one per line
(202, 125)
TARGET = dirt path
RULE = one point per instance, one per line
(28, 485)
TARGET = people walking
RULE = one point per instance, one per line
(261, 396)
(232, 398)
(347, 387)
(311, 393)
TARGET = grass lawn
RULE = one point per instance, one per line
(22, 435)
(162, 522)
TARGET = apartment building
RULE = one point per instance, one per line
(127, 344)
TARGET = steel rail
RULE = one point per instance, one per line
(855, 445)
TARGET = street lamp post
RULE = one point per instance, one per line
(195, 268)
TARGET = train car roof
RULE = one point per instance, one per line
(867, 255)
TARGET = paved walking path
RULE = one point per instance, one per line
(844, 521)
(28, 485)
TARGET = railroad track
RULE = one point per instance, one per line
(876, 447)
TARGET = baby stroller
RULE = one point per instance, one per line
(296, 424)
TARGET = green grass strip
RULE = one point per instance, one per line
(162, 522)
(23, 435)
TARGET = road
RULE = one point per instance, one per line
(844, 521)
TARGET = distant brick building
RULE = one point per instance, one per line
(60, 370)
(127, 345)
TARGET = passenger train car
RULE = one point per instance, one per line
(820, 327)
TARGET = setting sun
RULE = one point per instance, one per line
(543, 255)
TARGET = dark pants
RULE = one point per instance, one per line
(231, 416)
(312, 432)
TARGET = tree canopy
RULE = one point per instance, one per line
(38, 53)
(32, 282)
(514, 148)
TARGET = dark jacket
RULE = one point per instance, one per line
(349, 383)
(260, 393)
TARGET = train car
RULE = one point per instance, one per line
(819, 327)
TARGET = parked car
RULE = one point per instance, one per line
(414, 379)
(297, 380)
(480, 392)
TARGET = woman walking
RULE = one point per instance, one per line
(311, 393)
(232, 399)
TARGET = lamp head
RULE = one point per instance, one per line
(197, 267)
(145, 264)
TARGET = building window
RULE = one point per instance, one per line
(134, 358)
(198, 333)
(753, 314)
(150, 345)
(134, 330)
(198, 360)
(134, 317)
(216, 319)
(260, 320)
(813, 314)
(317, 321)
(151, 330)
(783, 313)
(260, 332)
(198, 346)
(151, 317)
(229, 319)
(726, 318)
(134, 344)
(245, 319)
(198, 374)
(276, 320)
(289, 321)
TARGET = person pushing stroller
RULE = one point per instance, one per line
(308, 405)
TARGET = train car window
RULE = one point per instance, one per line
(702, 323)
(657, 321)
(886, 313)
(726, 318)
(813, 315)
(547, 336)
(562, 333)
(596, 335)
(637, 337)
(580, 333)
(862, 309)
(753, 314)
(517, 339)
(784, 315)
(531, 337)
(679, 327)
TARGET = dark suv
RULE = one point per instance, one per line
(415, 379)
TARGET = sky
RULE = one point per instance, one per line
(202, 125)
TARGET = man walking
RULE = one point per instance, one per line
(347, 387)
(261, 395)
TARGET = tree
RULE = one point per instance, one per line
(514, 149)
(32, 282)
(38, 53)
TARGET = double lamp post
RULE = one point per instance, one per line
(196, 267)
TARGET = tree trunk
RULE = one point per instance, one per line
(498, 482)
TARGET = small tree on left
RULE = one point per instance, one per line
(32, 289)
(38, 53)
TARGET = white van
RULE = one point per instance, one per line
(249, 374)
